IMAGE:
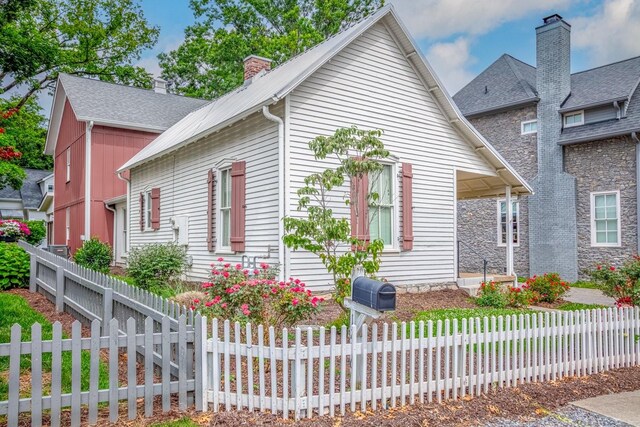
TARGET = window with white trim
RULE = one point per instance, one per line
(605, 218)
(382, 206)
(68, 154)
(67, 232)
(502, 222)
(147, 210)
(575, 118)
(224, 209)
(529, 127)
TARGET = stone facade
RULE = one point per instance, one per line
(607, 165)
(478, 219)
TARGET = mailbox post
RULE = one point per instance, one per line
(369, 300)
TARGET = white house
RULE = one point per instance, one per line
(220, 180)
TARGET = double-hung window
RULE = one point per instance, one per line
(67, 233)
(147, 210)
(68, 154)
(224, 224)
(605, 218)
(502, 222)
(382, 205)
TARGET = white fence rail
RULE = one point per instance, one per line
(305, 372)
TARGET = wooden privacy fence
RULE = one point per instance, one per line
(88, 295)
(91, 359)
(311, 372)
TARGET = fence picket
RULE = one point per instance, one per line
(363, 369)
(113, 370)
(374, 366)
(94, 372)
(238, 357)
(454, 362)
(430, 361)
(343, 368)
(166, 365)
(385, 366)
(412, 361)
(249, 366)
(297, 375)
(261, 366)
(132, 409)
(273, 363)
(227, 366)
(56, 374)
(36, 375)
(354, 365)
(521, 359)
(332, 371)
(309, 372)
(321, 372)
(439, 360)
(394, 363)
(215, 365)
(485, 354)
(472, 352)
(420, 362)
(148, 367)
(285, 374)
(463, 358)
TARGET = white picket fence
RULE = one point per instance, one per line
(306, 375)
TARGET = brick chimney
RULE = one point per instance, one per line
(254, 64)
(160, 86)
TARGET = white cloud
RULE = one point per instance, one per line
(612, 34)
(443, 18)
(451, 62)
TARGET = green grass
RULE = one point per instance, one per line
(584, 284)
(573, 306)
(15, 309)
(183, 422)
(466, 313)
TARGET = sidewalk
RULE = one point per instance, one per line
(624, 407)
(588, 296)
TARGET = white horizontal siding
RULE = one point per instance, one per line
(371, 84)
(182, 178)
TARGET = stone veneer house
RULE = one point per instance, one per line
(575, 138)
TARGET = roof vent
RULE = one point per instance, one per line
(551, 19)
(254, 64)
(160, 86)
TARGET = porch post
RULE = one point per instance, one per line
(509, 236)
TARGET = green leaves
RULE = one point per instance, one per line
(14, 266)
(209, 62)
(94, 255)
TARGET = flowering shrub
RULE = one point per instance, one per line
(546, 288)
(623, 284)
(520, 297)
(14, 229)
(490, 295)
(255, 296)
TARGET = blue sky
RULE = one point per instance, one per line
(462, 37)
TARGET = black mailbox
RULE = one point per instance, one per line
(372, 293)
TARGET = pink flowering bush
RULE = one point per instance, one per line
(12, 228)
(621, 283)
(255, 296)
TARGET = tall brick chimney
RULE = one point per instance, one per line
(552, 207)
(254, 64)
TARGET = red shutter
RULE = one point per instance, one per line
(238, 205)
(211, 211)
(155, 208)
(407, 206)
(141, 211)
(360, 218)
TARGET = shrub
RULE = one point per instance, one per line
(547, 288)
(623, 284)
(157, 265)
(256, 297)
(14, 229)
(14, 266)
(94, 255)
(38, 231)
(519, 297)
(490, 295)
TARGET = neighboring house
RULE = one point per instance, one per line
(45, 206)
(575, 138)
(95, 127)
(220, 180)
(23, 204)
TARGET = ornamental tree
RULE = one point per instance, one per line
(357, 153)
(10, 173)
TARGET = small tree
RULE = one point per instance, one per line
(330, 237)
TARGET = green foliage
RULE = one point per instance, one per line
(15, 309)
(14, 266)
(209, 62)
(324, 234)
(584, 284)
(547, 288)
(490, 295)
(95, 255)
(11, 175)
(465, 313)
(100, 38)
(38, 231)
(26, 131)
(575, 306)
(157, 265)
(622, 283)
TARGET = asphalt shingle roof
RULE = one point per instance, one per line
(112, 103)
(30, 193)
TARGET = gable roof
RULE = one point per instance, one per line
(29, 193)
(273, 86)
(116, 105)
(506, 83)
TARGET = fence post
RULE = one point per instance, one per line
(33, 271)
(59, 288)
(107, 309)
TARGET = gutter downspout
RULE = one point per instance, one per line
(87, 180)
(634, 138)
(128, 217)
(115, 227)
(281, 191)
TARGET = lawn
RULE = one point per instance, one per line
(15, 309)
(466, 313)
(183, 422)
(573, 306)
(584, 284)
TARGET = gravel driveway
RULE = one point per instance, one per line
(566, 416)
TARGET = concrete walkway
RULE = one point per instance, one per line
(588, 296)
(624, 407)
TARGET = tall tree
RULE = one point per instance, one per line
(209, 62)
(98, 38)
(10, 173)
(26, 132)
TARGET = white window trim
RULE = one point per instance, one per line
(593, 220)
(395, 223)
(221, 167)
(572, 113)
(68, 165)
(499, 229)
(67, 232)
(147, 210)
(526, 122)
